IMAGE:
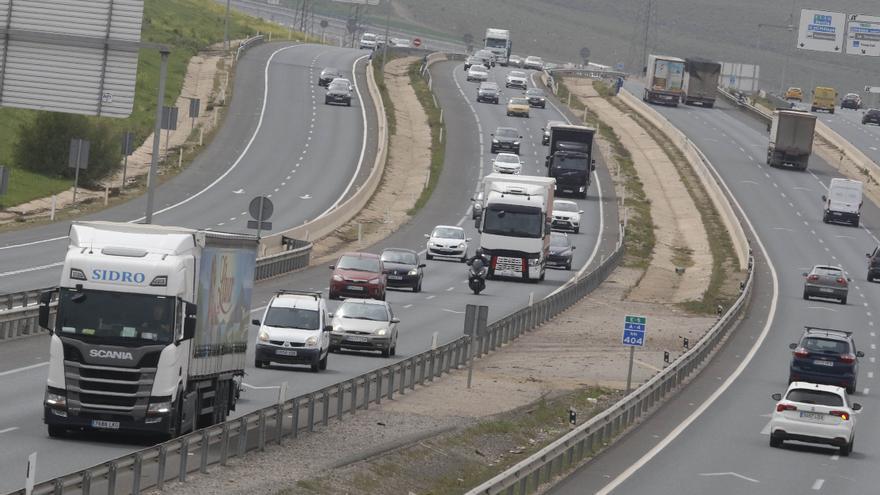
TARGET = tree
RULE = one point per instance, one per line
(43, 146)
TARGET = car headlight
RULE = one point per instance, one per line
(462, 245)
(57, 401)
(381, 331)
(311, 341)
(516, 143)
(159, 408)
(494, 141)
(337, 278)
(413, 272)
(264, 336)
(374, 281)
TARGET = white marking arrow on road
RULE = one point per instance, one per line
(305, 196)
(737, 475)
(240, 191)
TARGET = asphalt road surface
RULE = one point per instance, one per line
(848, 123)
(438, 308)
(713, 438)
(279, 140)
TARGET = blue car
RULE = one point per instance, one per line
(825, 356)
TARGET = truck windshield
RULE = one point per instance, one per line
(514, 221)
(496, 43)
(570, 161)
(117, 317)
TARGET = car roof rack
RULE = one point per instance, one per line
(827, 331)
(291, 292)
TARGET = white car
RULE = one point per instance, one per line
(814, 413)
(507, 163)
(517, 79)
(294, 331)
(535, 63)
(364, 325)
(369, 41)
(566, 215)
(478, 73)
(447, 241)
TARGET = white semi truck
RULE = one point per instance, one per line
(498, 42)
(515, 225)
(151, 328)
(664, 80)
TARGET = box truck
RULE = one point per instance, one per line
(570, 158)
(843, 201)
(664, 80)
(700, 84)
(151, 328)
(791, 138)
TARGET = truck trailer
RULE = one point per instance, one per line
(791, 139)
(664, 80)
(151, 329)
(570, 158)
(515, 225)
(701, 78)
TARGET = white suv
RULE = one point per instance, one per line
(815, 414)
(294, 330)
(369, 41)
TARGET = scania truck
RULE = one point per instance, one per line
(150, 331)
(570, 158)
(664, 80)
(515, 225)
(498, 42)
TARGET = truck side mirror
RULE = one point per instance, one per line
(189, 321)
(255, 322)
(45, 301)
(824, 198)
(328, 328)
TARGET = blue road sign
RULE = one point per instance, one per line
(634, 328)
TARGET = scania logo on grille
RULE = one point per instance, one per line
(101, 353)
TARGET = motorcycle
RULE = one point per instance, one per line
(477, 275)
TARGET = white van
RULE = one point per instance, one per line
(369, 41)
(843, 202)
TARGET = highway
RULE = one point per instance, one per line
(848, 123)
(714, 437)
(438, 308)
(278, 140)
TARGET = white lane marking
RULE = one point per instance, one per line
(736, 475)
(450, 289)
(821, 307)
(31, 269)
(23, 368)
(453, 311)
(7, 430)
(407, 306)
(835, 457)
(818, 484)
(32, 243)
(728, 382)
(866, 391)
(870, 374)
(430, 297)
(766, 429)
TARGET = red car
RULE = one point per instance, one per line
(358, 275)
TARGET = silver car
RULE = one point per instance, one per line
(829, 282)
(364, 324)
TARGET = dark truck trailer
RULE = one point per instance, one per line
(701, 79)
(570, 158)
(791, 139)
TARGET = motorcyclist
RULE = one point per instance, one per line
(478, 256)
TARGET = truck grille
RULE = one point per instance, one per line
(97, 388)
(503, 263)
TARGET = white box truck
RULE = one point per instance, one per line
(791, 138)
(843, 201)
(664, 80)
(498, 42)
(515, 225)
(151, 328)
(700, 84)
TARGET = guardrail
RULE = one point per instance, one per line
(20, 299)
(596, 73)
(248, 43)
(173, 460)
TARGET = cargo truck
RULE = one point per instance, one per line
(515, 225)
(664, 80)
(791, 138)
(700, 83)
(498, 42)
(151, 329)
(570, 159)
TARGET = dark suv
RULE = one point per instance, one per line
(488, 92)
(827, 357)
(872, 116)
(873, 264)
(328, 75)
(506, 139)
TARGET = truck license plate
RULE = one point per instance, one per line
(107, 425)
(285, 352)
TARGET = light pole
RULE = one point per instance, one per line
(226, 27)
(157, 133)
(385, 45)
(789, 27)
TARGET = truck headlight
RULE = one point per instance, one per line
(534, 261)
(311, 341)
(159, 408)
(381, 331)
(264, 336)
(56, 401)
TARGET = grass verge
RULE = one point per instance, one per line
(387, 101)
(639, 240)
(438, 128)
(453, 462)
(723, 286)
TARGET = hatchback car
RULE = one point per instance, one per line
(447, 241)
(814, 413)
(366, 325)
(872, 116)
(518, 106)
(338, 92)
(828, 282)
(403, 268)
(794, 94)
(358, 275)
(328, 75)
(561, 251)
(477, 73)
(825, 356)
(545, 139)
(293, 331)
(516, 79)
(471, 61)
(851, 100)
(536, 98)
(505, 139)
(515, 61)
(535, 63)
(507, 163)
(566, 216)
(488, 92)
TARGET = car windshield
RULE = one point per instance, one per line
(358, 264)
(507, 158)
(339, 85)
(570, 161)
(558, 240)
(120, 318)
(535, 92)
(827, 271)
(516, 73)
(506, 132)
(329, 72)
(564, 206)
(403, 257)
(514, 221)
(478, 68)
(828, 346)
(304, 319)
(519, 101)
(362, 311)
(818, 397)
(448, 233)
(369, 37)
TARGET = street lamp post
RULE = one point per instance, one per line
(157, 133)
(789, 27)
(226, 27)
(385, 45)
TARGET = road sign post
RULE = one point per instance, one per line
(127, 150)
(157, 134)
(634, 329)
(78, 159)
(416, 42)
(261, 208)
(475, 318)
(863, 35)
(4, 180)
(821, 31)
(31, 474)
(194, 104)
